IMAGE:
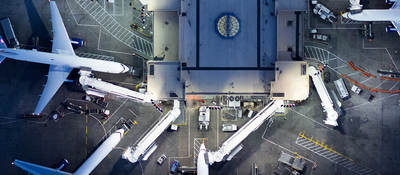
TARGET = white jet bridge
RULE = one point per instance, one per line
(146, 145)
(231, 146)
(327, 105)
(97, 87)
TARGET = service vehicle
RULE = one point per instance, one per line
(229, 127)
(320, 37)
(324, 13)
(356, 89)
(341, 89)
(250, 113)
(174, 167)
(161, 159)
(204, 117)
(77, 42)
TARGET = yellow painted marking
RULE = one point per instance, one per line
(317, 142)
(86, 130)
(126, 132)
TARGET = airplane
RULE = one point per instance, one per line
(86, 168)
(393, 14)
(62, 59)
(202, 165)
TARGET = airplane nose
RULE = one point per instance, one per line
(345, 15)
(124, 68)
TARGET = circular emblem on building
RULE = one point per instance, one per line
(228, 25)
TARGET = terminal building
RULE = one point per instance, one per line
(208, 48)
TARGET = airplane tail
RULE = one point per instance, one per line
(2, 45)
(38, 169)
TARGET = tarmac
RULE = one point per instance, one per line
(368, 134)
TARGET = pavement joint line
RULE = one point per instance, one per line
(311, 119)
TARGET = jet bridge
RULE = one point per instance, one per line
(146, 145)
(232, 145)
(327, 105)
(97, 87)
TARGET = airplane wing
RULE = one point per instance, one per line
(2, 45)
(57, 76)
(61, 40)
(396, 24)
(37, 169)
(396, 4)
(61, 45)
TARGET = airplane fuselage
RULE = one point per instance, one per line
(202, 166)
(68, 60)
(375, 15)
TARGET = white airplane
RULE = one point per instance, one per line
(392, 14)
(86, 168)
(202, 165)
(62, 59)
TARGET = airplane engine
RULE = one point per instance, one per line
(391, 28)
(390, 2)
(355, 6)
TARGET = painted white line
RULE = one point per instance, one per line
(104, 129)
(76, 21)
(188, 151)
(380, 84)
(395, 84)
(353, 107)
(123, 9)
(340, 67)
(115, 111)
(111, 51)
(282, 147)
(363, 46)
(311, 119)
(6, 123)
(354, 73)
(218, 127)
(391, 58)
(141, 167)
(134, 114)
(364, 81)
(339, 28)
